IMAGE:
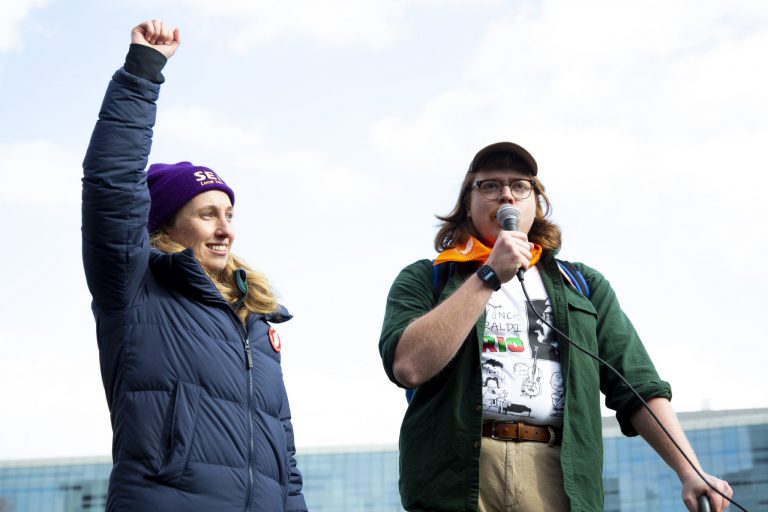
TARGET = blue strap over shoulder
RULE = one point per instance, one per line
(440, 275)
(575, 276)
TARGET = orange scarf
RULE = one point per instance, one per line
(475, 250)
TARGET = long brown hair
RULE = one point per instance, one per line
(260, 299)
(456, 227)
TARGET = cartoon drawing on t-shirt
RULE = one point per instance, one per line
(540, 334)
(493, 378)
(492, 370)
(532, 384)
(520, 371)
(558, 394)
(517, 409)
(493, 397)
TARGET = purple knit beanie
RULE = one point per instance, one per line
(171, 186)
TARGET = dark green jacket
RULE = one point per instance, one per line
(441, 432)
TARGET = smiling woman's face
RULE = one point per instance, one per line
(205, 225)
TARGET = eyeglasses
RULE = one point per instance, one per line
(493, 188)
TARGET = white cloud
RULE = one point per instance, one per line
(12, 14)
(62, 389)
(336, 22)
(601, 83)
(247, 161)
(373, 23)
(430, 141)
(310, 178)
(201, 129)
(40, 173)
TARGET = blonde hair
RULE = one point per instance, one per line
(260, 299)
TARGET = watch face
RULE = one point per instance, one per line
(488, 276)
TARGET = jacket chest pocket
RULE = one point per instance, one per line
(179, 433)
(582, 320)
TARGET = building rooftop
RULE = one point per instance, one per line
(697, 420)
(701, 420)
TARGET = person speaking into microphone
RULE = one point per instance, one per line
(190, 358)
(503, 414)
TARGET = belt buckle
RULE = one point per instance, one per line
(493, 431)
(518, 438)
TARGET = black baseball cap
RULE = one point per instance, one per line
(517, 152)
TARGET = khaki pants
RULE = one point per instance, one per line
(521, 477)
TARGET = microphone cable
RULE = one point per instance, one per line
(520, 278)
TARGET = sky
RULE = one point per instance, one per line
(344, 127)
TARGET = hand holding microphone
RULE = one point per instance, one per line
(509, 218)
(510, 253)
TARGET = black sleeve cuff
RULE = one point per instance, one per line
(145, 62)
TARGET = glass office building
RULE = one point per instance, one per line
(55, 485)
(732, 444)
(359, 478)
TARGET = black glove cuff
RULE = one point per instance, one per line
(145, 62)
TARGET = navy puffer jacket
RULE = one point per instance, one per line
(196, 427)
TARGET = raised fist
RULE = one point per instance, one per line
(156, 34)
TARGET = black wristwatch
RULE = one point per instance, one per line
(489, 277)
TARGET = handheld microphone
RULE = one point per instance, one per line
(509, 217)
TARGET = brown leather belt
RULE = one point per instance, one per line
(506, 431)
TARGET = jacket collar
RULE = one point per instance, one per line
(181, 271)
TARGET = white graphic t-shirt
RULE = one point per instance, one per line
(522, 378)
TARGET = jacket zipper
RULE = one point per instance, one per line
(248, 366)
